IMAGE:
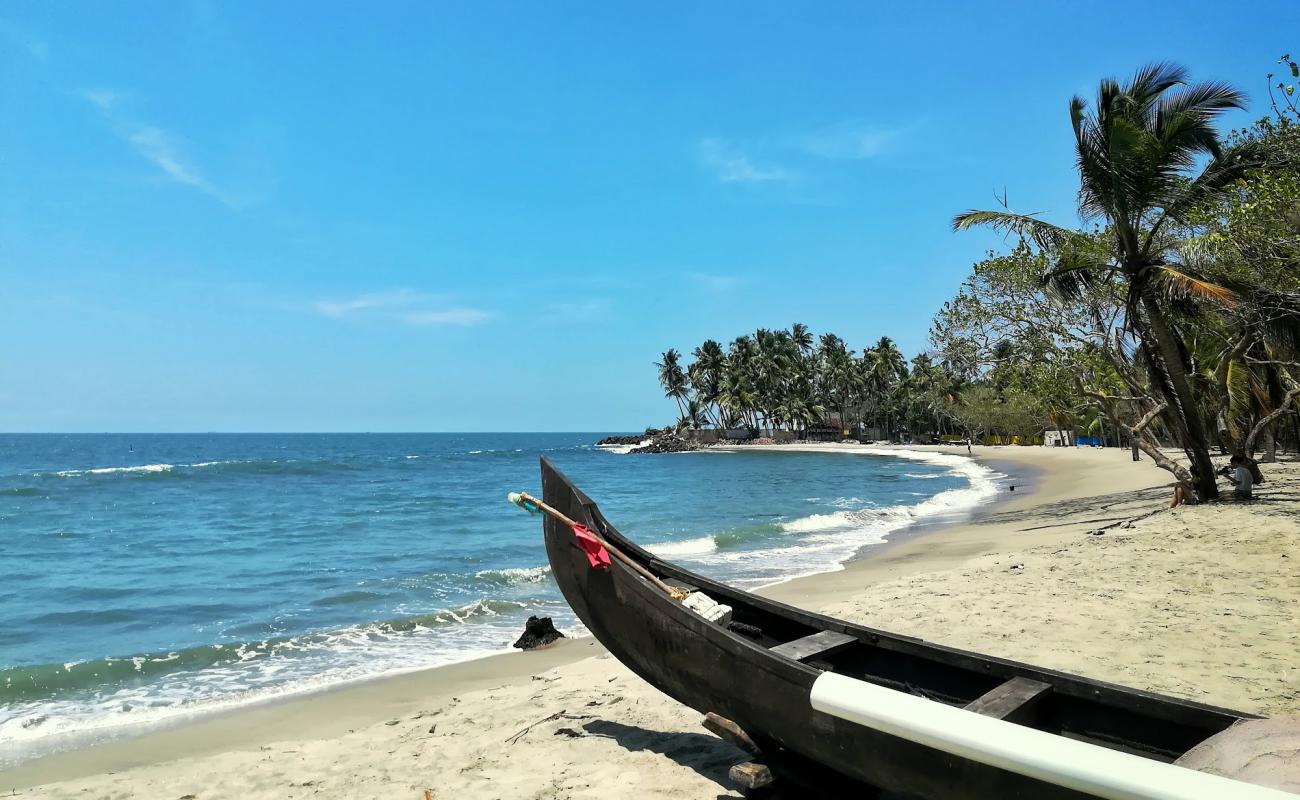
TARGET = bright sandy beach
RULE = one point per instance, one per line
(1198, 602)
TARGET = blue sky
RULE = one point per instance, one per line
(484, 216)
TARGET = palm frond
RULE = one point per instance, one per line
(1239, 398)
(1218, 177)
(1027, 226)
(1178, 283)
(1153, 80)
(1202, 99)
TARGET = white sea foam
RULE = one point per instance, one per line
(72, 473)
(824, 542)
(257, 673)
(146, 468)
(515, 575)
(703, 545)
(623, 449)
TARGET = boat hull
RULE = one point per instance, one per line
(712, 669)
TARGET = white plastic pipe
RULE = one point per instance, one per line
(1015, 748)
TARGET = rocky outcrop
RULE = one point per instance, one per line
(636, 438)
(667, 442)
(621, 440)
(538, 632)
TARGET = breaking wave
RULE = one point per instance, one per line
(239, 466)
(623, 449)
(515, 576)
(51, 706)
(825, 541)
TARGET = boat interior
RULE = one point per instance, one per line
(1112, 716)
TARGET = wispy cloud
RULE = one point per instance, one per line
(406, 306)
(732, 164)
(159, 147)
(853, 140)
(103, 99)
(716, 283)
(400, 298)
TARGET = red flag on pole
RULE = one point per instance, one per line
(597, 555)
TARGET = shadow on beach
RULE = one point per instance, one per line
(1108, 508)
(708, 755)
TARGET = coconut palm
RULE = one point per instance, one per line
(802, 338)
(673, 379)
(1137, 152)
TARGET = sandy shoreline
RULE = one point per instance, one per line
(1135, 606)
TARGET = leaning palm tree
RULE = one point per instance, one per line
(673, 379)
(1137, 151)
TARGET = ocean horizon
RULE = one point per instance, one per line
(151, 578)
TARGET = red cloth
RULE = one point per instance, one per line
(597, 555)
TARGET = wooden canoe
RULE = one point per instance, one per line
(759, 670)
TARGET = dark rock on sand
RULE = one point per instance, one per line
(538, 631)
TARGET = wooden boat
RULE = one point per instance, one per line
(760, 669)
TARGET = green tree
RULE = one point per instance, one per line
(673, 379)
(1137, 152)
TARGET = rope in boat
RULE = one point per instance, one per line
(534, 506)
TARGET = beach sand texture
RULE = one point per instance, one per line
(1199, 602)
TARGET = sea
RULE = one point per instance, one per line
(146, 579)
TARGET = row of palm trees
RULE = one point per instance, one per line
(1150, 161)
(790, 380)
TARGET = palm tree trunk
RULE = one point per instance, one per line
(1186, 418)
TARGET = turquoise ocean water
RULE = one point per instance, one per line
(150, 578)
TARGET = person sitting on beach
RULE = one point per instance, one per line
(1242, 477)
(1184, 493)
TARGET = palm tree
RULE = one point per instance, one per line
(802, 338)
(673, 379)
(1136, 152)
(706, 376)
(694, 415)
(736, 399)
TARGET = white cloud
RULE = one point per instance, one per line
(402, 305)
(372, 300)
(103, 99)
(156, 145)
(731, 164)
(852, 140)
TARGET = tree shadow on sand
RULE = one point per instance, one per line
(1062, 513)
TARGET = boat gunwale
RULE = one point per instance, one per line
(1143, 702)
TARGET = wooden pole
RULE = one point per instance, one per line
(617, 553)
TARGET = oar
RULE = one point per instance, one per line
(532, 505)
